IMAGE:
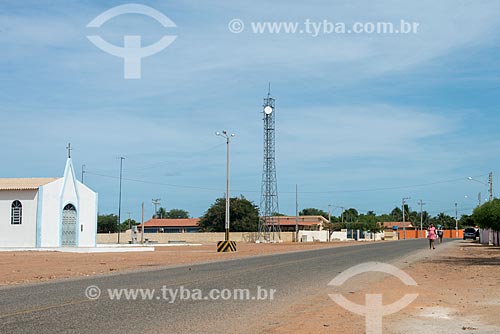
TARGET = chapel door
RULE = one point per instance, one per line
(69, 226)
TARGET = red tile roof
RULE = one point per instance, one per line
(398, 224)
(303, 220)
(181, 222)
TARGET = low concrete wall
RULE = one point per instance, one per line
(488, 236)
(196, 238)
(311, 236)
(322, 236)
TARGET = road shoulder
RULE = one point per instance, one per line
(457, 293)
(34, 267)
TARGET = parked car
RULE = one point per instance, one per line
(470, 233)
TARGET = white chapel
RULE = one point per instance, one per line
(47, 212)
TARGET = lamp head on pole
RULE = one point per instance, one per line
(224, 134)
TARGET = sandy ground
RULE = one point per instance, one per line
(458, 292)
(27, 267)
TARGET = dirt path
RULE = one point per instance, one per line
(458, 287)
(26, 267)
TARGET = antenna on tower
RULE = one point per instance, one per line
(269, 226)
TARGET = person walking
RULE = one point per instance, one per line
(440, 234)
(431, 235)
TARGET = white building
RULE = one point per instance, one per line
(47, 212)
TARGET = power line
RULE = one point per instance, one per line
(155, 183)
(287, 192)
(387, 188)
(166, 162)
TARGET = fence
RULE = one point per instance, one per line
(195, 238)
(488, 236)
(415, 234)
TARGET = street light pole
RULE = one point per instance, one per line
(490, 190)
(456, 220)
(489, 184)
(490, 179)
(228, 194)
(225, 135)
(296, 213)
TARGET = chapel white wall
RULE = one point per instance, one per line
(24, 234)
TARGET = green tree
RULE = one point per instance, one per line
(488, 215)
(369, 218)
(351, 214)
(466, 220)
(277, 214)
(385, 218)
(244, 216)
(161, 213)
(107, 223)
(447, 222)
(396, 214)
(176, 214)
(126, 224)
(313, 212)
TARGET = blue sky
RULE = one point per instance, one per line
(355, 113)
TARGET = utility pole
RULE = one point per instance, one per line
(228, 137)
(421, 219)
(296, 213)
(329, 222)
(403, 210)
(120, 198)
(479, 199)
(129, 222)
(456, 220)
(142, 224)
(156, 202)
(342, 220)
(490, 179)
(83, 173)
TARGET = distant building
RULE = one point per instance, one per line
(390, 225)
(180, 225)
(47, 212)
(305, 223)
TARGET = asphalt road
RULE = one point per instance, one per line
(62, 307)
